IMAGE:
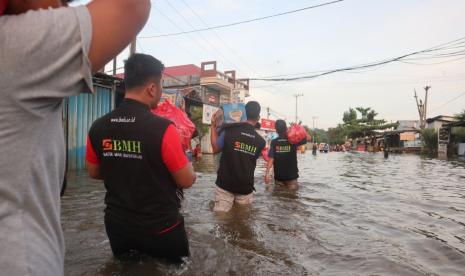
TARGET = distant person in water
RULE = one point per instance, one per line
(283, 157)
(314, 149)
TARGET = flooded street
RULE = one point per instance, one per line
(354, 214)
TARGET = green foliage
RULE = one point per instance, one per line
(353, 127)
(318, 135)
(460, 116)
(458, 134)
(336, 135)
(196, 117)
(429, 138)
(349, 117)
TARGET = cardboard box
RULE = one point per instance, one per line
(234, 113)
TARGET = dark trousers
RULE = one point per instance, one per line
(170, 243)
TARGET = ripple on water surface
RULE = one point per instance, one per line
(354, 214)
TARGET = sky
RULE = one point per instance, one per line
(343, 34)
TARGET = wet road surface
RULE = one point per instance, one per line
(353, 214)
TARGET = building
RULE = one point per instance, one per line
(80, 111)
(408, 125)
(203, 85)
(206, 83)
(405, 138)
(437, 122)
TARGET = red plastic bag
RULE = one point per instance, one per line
(296, 133)
(265, 154)
(3, 4)
(183, 125)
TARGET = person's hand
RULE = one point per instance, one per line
(215, 118)
(267, 178)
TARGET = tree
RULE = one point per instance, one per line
(367, 125)
(349, 117)
(196, 118)
(429, 139)
(336, 136)
(318, 135)
(363, 112)
(460, 116)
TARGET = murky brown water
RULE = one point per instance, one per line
(354, 214)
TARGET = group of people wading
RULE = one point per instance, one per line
(137, 154)
(145, 169)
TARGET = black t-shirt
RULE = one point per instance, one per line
(242, 147)
(284, 156)
(140, 188)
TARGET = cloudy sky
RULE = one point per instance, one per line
(343, 34)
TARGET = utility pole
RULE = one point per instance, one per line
(422, 107)
(114, 66)
(296, 97)
(132, 48)
(268, 113)
(426, 102)
(314, 118)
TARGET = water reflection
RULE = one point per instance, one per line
(355, 214)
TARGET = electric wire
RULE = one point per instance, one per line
(244, 21)
(200, 35)
(448, 102)
(363, 66)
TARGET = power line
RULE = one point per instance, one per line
(448, 102)
(436, 63)
(363, 66)
(179, 45)
(240, 59)
(219, 37)
(244, 21)
(200, 35)
(202, 47)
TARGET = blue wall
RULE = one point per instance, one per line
(82, 111)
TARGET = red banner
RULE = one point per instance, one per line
(268, 124)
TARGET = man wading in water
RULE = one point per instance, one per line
(141, 161)
(241, 146)
(283, 157)
(47, 52)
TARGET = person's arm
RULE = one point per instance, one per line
(115, 23)
(94, 170)
(216, 142)
(304, 141)
(175, 159)
(184, 177)
(92, 161)
(269, 165)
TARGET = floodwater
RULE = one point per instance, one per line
(354, 214)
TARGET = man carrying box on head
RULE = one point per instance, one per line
(241, 146)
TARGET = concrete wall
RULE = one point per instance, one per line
(461, 149)
(205, 143)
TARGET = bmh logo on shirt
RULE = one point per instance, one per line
(283, 148)
(122, 148)
(121, 145)
(245, 148)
